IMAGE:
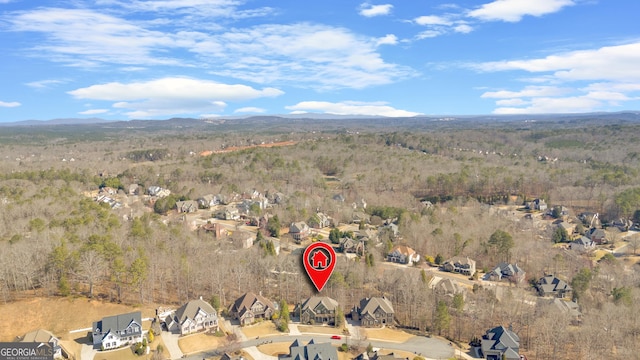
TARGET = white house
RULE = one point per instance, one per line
(115, 331)
(403, 255)
(196, 315)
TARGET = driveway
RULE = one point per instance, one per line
(88, 352)
(171, 342)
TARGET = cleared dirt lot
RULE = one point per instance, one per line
(319, 330)
(262, 329)
(59, 315)
(387, 334)
(199, 342)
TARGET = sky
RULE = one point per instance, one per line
(157, 59)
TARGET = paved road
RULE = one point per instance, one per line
(430, 348)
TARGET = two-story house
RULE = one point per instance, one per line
(373, 311)
(250, 307)
(299, 230)
(115, 331)
(500, 343)
(196, 315)
(403, 255)
(318, 310)
(460, 264)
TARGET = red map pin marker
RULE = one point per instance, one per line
(319, 259)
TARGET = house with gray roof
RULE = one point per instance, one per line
(311, 351)
(187, 206)
(119, 330)
(550, 285)
(582, 244)
(318, 310)
(373, 311)
(506, 271)
(44, 336)
(194, 316)
(249, 307)
(500, 343)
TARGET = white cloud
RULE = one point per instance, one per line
(170, 96)
(430, 34)
(305, 55)
(193, 9)
(529, 91)
(512, 102)
(388, 39)
(576, 104)
(369, 10)
(42, 84)
(441, 25)
(250, 109)
(83, 37)
(515, 10)
(463, 28)
(617, 62)
(350, 108)
(94, 111)
(432, 20)
(9, 104)
(612, 71)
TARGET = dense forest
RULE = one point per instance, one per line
(448, 186)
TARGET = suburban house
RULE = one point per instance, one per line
(230, 212)
(447, 287)
(582, 244)
(351, 246)
(460, 264)
(550, 285)
(500, 343)
(250, 307)
(537, 204)
(299, 230)
(311, 351)
(209, 200)
(196, 315)
(511, 272)
(217, 229)
(188, 206)
(44, 336)
(115, 331)
(319, 221)
(373, 311)
(318, 310)
(402, 254)
(158, 191)
(567, 226)
(598, 236)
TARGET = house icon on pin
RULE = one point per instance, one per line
(319, 260)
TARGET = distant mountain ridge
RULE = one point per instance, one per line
(62, 121)
(625, 116)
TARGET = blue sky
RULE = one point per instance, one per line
(156, 59)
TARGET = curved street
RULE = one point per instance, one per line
(429, 348)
